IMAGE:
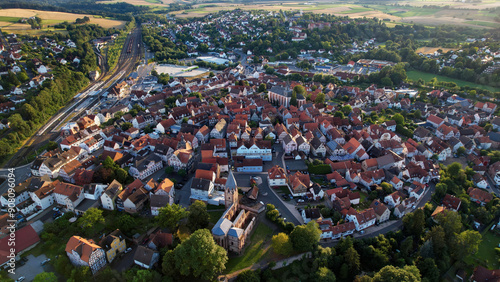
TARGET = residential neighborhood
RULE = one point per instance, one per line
(242, 152)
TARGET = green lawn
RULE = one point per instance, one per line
(214, 216)
(214, 207)
(486, 255)
(415, 75)
(282, 190)
(254, 252)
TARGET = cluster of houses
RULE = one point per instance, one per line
(484, 54)
(95, 255)
(240, 127)
(10, 56)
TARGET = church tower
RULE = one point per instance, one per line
(230, 190)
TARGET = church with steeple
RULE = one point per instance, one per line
(234, 227)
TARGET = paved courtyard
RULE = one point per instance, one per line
(32, 267)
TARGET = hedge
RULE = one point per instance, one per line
(319, 169)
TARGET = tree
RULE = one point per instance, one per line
(262, 87)
(45, 277)
(273, 215)
(466, 243)
(299, 90)
(281, 244)
(399, 119)
(395, 274)
(417, 114)
(305, 237)
(108, 163)
(126, 222)
(170, 215)
(451, 222)
(91, 217)
(182, 172)
(198, 256)
(121, 175)
(438, 239)
(320, 98)
(145, 275)
(347, 109)
(169, 170)
(126, 126)
(248, 276)
(454, 168)
(323, 274)
(339, 114)
(351, 258)
(198, 217)
(293, 99)
(428, 269)
(414, 223)
(461, 151)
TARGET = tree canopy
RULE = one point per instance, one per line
(198, 257)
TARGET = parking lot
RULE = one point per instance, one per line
(31, 268)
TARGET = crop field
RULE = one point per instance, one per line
(151, 3)
(409, 12)
(351, 10)
(9, 20)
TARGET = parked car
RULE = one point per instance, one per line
(128, 250)
(25, 259)
(362, 232)
(55, 209)
(20, 279)
(21, 262)
(300, 200)
(45, 261)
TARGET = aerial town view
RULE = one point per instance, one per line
(250, 140)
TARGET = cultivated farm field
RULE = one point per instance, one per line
(152, 3)
(9, 20)
(417, 11)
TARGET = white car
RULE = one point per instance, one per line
(300, 201)
(128, 250)
(45, 261)
(55, 209)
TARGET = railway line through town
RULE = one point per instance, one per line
(87, 99)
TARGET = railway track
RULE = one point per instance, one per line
(129, 57)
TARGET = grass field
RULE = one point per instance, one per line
(431, 50)
(486, 255)
(9, 18)
(215, 216)
(254, 252)
(415, 75)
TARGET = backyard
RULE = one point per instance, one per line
(486, 254)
